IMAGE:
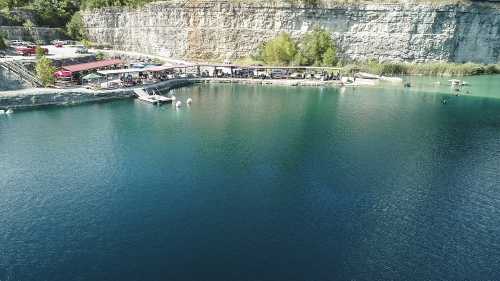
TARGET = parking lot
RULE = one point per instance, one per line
(67, 51)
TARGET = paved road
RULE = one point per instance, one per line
(166, 60)
(70, 52)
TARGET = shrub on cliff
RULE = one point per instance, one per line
(280, 50)
(3, 45)
(94, 4)
(45, 71)
(317, 48)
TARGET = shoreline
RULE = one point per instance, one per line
(37, 97)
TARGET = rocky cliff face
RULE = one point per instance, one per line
(221, 29)
(45, 34)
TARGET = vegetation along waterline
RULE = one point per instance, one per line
(318, 48)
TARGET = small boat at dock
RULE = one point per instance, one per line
(6, 111)
(456, 82)
(151, 98)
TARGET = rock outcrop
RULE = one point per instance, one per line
(44, 34)
(231, 29)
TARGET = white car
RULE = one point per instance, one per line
(81, 50)
(297, 75)
(16, 43)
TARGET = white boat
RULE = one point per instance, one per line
(2, 112)
(9, 111)
(154, 98)
(365, 75)
(456, 82)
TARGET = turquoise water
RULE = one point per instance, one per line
(256, 183)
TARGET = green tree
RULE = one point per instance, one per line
(3, 45)
(99, 56)
(93, 4)
(280, 50)
(55, 13)
(45, 71)
(28, 25)
(87, 44)
(75, 27)
(330, 57)
(40, 52)
(317, 48)
(9, 4)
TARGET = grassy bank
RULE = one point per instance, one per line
(431, 69)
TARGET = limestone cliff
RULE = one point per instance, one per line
(223, 29)
(45, 34)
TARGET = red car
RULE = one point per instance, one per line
(63, 74)
(29, 50)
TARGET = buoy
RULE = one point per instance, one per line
(9, 111)
(189, 101)
(178, 104)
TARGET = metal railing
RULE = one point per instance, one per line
(22, 72)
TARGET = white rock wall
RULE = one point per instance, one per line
(219, 29)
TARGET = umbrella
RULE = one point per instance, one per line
(91, 76)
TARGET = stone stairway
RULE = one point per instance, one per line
(22, 72)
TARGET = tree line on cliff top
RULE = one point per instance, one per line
(57, 13)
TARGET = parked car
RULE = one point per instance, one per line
(319, 76)
(63, 74)
(297, 75)
(261, 74)
(278, 74)
(29, 50)
(81, 50)
(15, 43)
(2, 54)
